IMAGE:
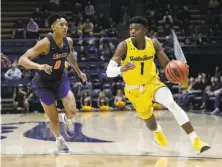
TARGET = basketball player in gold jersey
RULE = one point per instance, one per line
(136, 56)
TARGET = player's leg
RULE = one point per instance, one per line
(151, 124)
(164, 96)
(69, 103)
(142, 102)
(47, 99)
(52, 114)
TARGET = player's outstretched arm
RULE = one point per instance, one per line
(112, 69)
(41, 46)
(162, 57)
(73, 61)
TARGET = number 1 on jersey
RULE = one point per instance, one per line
(142, 68)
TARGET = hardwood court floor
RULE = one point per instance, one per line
(105, 161)
(108, 139)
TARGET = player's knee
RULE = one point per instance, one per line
(171, 104)
(72, 111)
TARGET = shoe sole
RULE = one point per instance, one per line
(66, 151)
(203, 149)
(61, 152)
(155, 143)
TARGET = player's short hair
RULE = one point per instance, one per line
(54, 17)
(138, 20)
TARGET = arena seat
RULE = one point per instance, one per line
(95, 95)
(109, 95)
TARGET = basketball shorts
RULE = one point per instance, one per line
(50, 91)
(142, 98)
(87, 108)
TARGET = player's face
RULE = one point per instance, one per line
(137, 31)
(60, 27)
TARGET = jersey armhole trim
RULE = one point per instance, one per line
(67, 41)
(48, 52)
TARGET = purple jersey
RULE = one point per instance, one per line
(50, 87)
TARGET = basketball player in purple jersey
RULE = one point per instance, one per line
(51, 81)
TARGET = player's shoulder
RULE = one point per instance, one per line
(154, 40)
(122, 45)
(70, 41)
(43, 45)
(127, 40)
(157, 45)
(150, 39)
(45, 41)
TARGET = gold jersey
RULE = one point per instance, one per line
(145, 69)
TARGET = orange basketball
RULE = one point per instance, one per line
(176, 71)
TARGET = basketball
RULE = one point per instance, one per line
(176, 71)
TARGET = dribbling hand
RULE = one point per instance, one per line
(127, 66)
(46, 68)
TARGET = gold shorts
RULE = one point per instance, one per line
(142, 98)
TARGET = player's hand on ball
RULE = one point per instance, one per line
(127, 66)
(82, 76)
(46, 68)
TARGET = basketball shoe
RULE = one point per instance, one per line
(160, 138)
(200, 145)
(60, 143)
(69, 129)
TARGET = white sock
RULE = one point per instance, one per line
(59, 138)
(64, 118)
(192, 136)
(158, 128)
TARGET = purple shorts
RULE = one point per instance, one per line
(50, 91)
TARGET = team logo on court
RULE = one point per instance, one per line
(42, 132)
(5, 130)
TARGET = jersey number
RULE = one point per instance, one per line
(141, 68)
(57, 64)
